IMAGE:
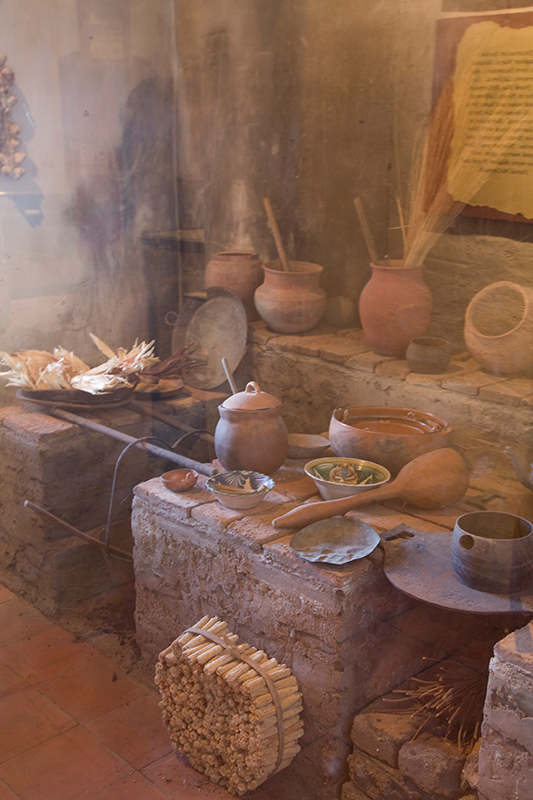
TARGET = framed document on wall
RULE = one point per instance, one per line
(481, 134)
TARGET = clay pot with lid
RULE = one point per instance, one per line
(251, 433)
(241, 272)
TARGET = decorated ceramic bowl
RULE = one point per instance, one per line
(240, 488)
(344, 477)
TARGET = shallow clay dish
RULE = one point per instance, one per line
(240, 489)
(306, 445)
(344, 477)
(335, 541)
(179, 480)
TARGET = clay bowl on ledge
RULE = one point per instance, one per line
(344, 477)
(240, 489)
(388, 436)
(179, 480)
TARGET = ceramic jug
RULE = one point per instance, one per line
(251, 433)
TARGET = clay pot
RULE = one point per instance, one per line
(291, 302)
(428, 355)
(251, 433)
(394, 307)
(499, 328)
(493, 552)
(237, 270)
(391, 437)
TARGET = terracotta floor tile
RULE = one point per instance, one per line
(27, 719)
(62, 767)
(135, 731)
(18, 619)
(9, 680)
(179, 781)
(91, 688)
(44, 654)
(134, 787)
(6, 793)
(5, 594)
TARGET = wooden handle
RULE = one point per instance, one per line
(313, 512)
(365, 230)
(276, 234)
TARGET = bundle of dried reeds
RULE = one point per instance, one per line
(447, 173)
(232, 710)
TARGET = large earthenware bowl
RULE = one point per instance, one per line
(388, 436)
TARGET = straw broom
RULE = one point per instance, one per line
(436, 178)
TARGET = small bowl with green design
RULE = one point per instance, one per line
(337, 477)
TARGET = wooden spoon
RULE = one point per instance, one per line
(433, 480)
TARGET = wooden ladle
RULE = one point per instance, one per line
(433, 480)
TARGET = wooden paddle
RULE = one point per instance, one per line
(436, 479)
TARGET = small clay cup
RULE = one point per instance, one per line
(428, 354)
(179, 480)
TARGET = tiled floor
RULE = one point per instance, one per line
(73, 725)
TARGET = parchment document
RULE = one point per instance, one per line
(491, 155)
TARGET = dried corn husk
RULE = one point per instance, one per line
(226, 714)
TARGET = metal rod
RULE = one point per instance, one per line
(71, 529)
(183, 461)
(145, 408)
(229, 376)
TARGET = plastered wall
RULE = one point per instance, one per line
(139, 116)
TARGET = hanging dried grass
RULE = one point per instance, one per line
(438, 175)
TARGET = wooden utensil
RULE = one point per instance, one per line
(277, 235)
(433, 480)
(365, 230)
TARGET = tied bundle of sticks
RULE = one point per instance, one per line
(461, 150)
(232, 710)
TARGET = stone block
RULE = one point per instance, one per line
(505, 769)
(366, 361)
(470, 383)
(517, 648)
(509, 392)
(350, 792)
(433, 766)
(380, 734)
(379, 781)
(470, 774)
(393, 369)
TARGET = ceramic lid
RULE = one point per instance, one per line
(251, 399)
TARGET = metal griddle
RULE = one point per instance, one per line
(419, 564)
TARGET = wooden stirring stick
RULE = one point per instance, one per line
(276, 234)
(365, 230)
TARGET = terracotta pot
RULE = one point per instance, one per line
(291, 302)
(499, 328)
(391, 437)
(237, 270)
(428, 355)
(493, 552)
(251, 433)
(394, 307)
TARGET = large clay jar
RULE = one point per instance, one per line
(291, 302)
(394, 307)
(237, 270)
(251, 433)
(499, 328)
